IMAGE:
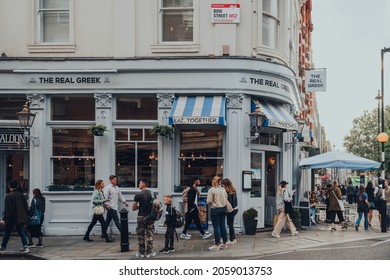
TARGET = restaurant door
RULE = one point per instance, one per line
(13, 165)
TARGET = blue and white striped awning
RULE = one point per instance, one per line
(198, 110)
(277, 115)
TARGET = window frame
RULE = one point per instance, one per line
(161, 46)
(38, 46)
(273, 18)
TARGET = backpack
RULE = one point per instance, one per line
(155, 210)
(179, 219)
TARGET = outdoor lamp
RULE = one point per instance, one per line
(382, 137)
(256, 119)
(26, 120)
(301, 125)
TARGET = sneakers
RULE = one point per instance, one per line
(214, 248)
(164, 251)
(356, 227)
(294, 233)
(139, 255)
(152, 254)
(2, 251)
(275, 235)
(171, 250)
(31, 245)
(185, 236)
(333, 229)
(230, 243)
(223, 246)
(39, 245)
(206, 235)
(86, 238)
(25, 250)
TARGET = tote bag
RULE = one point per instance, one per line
(341, 203)
(35, 218)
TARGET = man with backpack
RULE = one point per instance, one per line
(145, 225)
(170, 224)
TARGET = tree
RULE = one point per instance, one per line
(362, 141)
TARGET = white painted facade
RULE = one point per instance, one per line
(119, 44)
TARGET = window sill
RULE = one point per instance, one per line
(175, 48)
(48, 48)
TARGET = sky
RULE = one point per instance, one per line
(347, 39)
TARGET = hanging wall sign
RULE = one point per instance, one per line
(315, 80)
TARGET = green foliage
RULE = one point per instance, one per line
(97, 130)
(166, 131)
(361, 139)
(250, 214)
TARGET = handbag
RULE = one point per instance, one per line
(35, 218)
(341, 203)
(288, 208)
(229, 208)
(98, 210)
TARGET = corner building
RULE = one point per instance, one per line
(200, 66)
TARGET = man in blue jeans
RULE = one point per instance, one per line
(113, 195)
(15, 214)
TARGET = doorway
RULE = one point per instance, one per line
(271, 185)
(14, 165)
(257, 192)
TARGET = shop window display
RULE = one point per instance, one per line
(73, 159)
(135, 156)
(201, 155)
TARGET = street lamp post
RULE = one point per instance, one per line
(379, 97)
(383, 138)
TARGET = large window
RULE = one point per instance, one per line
(73, 158)
(136, 108)
(72, 108)
(135, 157)
(201, 155)
(10, 105)
(177, 20)
(53, 21)
(271, 23)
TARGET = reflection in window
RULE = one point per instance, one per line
(256, 168)
(73, 108)
(177, 20)
(136, 108)
(271, 161)
(201, 155)
(135, 157)
(10, 105)
(73, 157)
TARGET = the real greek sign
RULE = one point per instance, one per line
(315, 80)
(69, 80)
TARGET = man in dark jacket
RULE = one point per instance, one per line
(15, 214)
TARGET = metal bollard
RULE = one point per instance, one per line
(124, 230)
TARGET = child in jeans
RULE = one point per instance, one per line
(169, 223)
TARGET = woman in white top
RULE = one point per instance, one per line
(217, 199)
(282, 196)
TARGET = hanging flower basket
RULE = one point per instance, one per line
(97, 130)
(166, 131)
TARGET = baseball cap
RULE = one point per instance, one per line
(283, 183)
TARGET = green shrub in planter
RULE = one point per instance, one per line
(250, 221)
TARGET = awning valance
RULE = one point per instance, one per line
(277, 115)
(198, 110)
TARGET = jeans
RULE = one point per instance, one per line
(193, 215)
(113, 215)
(7, 235)
(96, 218)
(230, 223)
(365, 219)
(218, 217)
(312, 213)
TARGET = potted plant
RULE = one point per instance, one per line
(296, 218)
(166, 131)
(97, 130)
(250, 221)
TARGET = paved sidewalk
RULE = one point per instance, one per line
(247, 247)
